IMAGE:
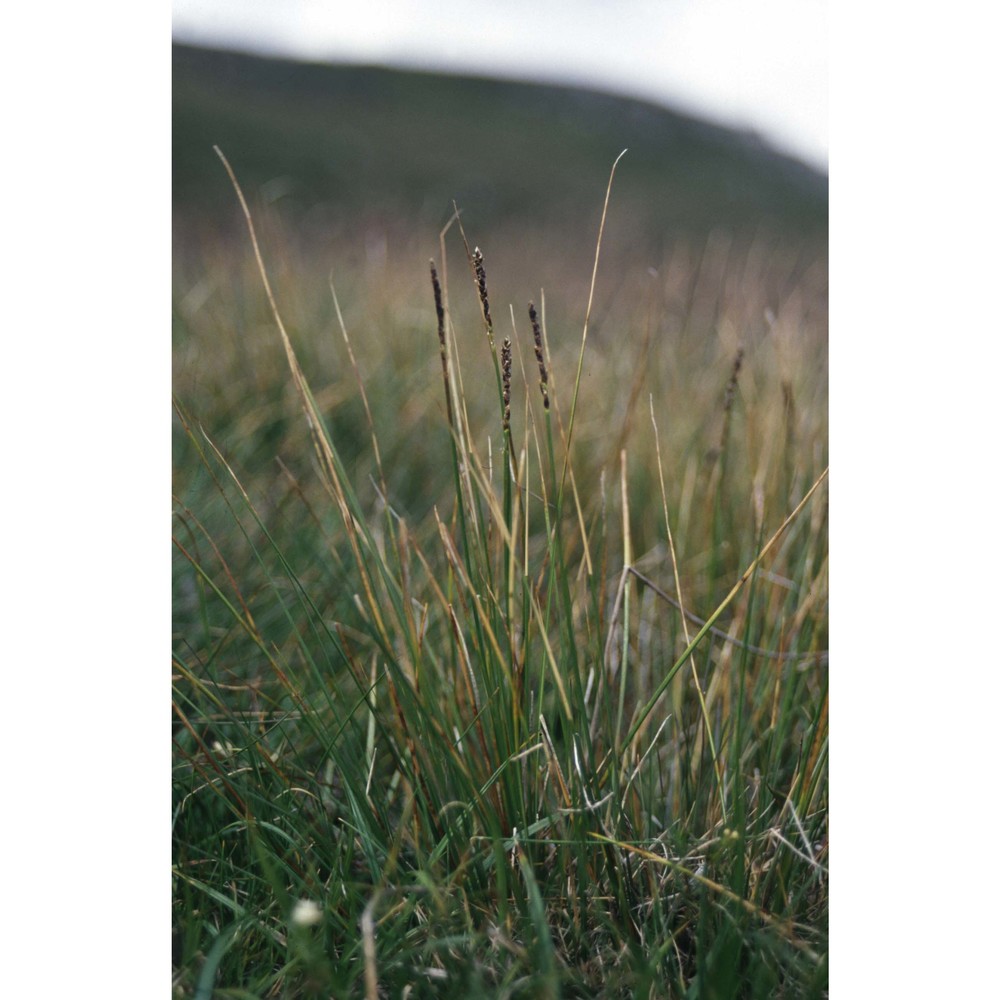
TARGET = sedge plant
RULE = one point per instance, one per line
(500, 747)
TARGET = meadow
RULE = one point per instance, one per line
(500, 605)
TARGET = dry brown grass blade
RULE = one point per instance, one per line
(586, 320)
(313, 417)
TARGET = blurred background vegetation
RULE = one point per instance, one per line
(352, 172)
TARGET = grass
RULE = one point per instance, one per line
(485, 691)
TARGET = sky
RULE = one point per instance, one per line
(761, 66)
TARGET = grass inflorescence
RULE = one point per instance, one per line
(524, 700)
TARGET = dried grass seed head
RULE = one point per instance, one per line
(733, 379)
(539, 354)
(438, 303)
(505, 366)
(484, 298)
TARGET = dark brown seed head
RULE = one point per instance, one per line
(437, 303)
(444, 351)
(505, 364)
(733, 379)
(477, 262)
(540, 357)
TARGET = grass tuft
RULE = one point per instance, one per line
(459, 718)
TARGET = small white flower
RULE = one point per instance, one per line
(305, 913)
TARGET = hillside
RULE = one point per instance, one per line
(346, 140)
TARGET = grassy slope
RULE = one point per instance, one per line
(362, 139)
(355, 688)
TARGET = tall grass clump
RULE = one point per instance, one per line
(512, 682)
